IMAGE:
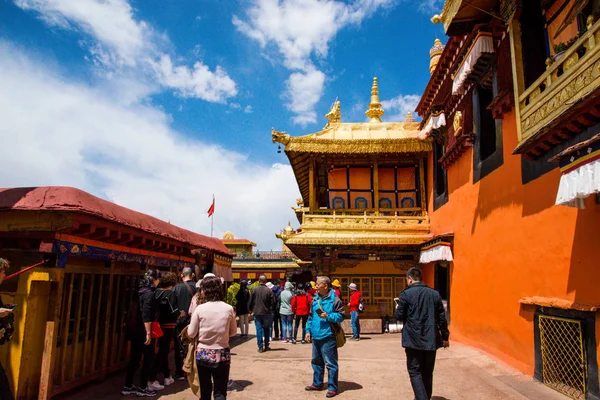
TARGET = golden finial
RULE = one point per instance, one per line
(375, 112)
(334, 115)
(409, 117)
(436, 19)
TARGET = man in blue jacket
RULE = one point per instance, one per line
(425, 330)
(326, 309)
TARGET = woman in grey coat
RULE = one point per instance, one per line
(287, 315)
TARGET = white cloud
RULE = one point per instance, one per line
(305, 90)
(119, 41)
(431, 6)
(397, 108)
(301, 30)
(248, 109)
(66, 133)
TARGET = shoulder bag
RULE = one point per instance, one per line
(338, 331)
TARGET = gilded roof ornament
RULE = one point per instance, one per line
(375, 112)
(409, 117)
(280, 137)
(228, 236)
(334, 115)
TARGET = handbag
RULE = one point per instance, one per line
(155, 330)
(338, 331)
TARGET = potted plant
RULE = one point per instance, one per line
(559, 50)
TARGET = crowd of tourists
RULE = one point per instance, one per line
(195, 317)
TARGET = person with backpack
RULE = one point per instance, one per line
(356, 306)
(168, 313)
(301, 307)
(184, 291)
(142, 314)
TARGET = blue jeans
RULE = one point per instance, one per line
(355, 321)
(263, 329)
(325, 354)
(287, 322)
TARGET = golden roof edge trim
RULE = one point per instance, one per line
(366, 146)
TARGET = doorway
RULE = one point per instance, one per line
(442, 285)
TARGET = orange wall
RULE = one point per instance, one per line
(511, 241)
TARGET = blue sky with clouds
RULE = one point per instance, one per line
(158, 104)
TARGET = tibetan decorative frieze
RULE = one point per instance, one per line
(502, 104)
(558, 98)
(461, 145)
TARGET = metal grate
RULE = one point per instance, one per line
(564, 366)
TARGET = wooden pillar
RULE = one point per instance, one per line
(376, 186)
(422, 186)
(311, 186)
(109, 300)
(516, 55)
(51, 334)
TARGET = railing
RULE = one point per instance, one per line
(364, 222)
(566, 80)
(265, 255)
(369, 211)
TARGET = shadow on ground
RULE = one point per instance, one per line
(345, 386)
(239, 385)
(439, 398)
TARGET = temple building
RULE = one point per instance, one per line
(73, 308)
(249, 264)
(363, 212)
(512, 111)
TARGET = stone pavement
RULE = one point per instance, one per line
(374, 368)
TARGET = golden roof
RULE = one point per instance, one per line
(351, 138)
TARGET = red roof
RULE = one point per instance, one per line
(70, 199)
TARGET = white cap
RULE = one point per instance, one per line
(269, 285)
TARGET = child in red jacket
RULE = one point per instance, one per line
(301, 307)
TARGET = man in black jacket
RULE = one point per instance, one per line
(184, 291)
(261, 305)
(425, 330)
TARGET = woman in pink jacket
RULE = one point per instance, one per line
(213, 322)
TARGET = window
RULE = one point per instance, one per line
(361, 202)
(353, 185)
(487, 152)
(440, 192)
(398, 186)
(533, 41)
(338, 202)
(385, 203)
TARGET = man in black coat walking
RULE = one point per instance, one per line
(425, 330)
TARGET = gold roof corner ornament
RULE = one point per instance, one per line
(436, 19)
(375, 112)
(300, 202)
(409, 117)
(334, 115)
(286, 233)
(280, 137)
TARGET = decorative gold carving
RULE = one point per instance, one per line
(334, 115)
(535, 94)
(590, 21)
(368, 146)
(579, 86)
(457, 123)
(375, 112)
(571, 61)
(403, 265)
(280, 137)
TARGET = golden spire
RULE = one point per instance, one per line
(375, 112)
(409, 117)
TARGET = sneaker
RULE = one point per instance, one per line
(288, 341)
(293, 341)
(260, 350)
(357, 339)
(283, 339)
(169, 381)
(179, 377)
(303, 341)
(331, 393)
(129, 389)
(145, 392)
(313, 388)
(231, 386)
(155, 386)
(267, 348)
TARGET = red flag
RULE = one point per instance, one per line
(211, 209)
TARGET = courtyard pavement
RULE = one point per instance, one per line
(374, 368)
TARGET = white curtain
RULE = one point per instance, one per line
(437, 253)
(434, 122)
(483, 44)
(578, 184)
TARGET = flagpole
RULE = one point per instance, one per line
(212, 218)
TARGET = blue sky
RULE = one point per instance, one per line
(158, 104)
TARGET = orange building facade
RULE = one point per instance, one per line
(517, 120)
